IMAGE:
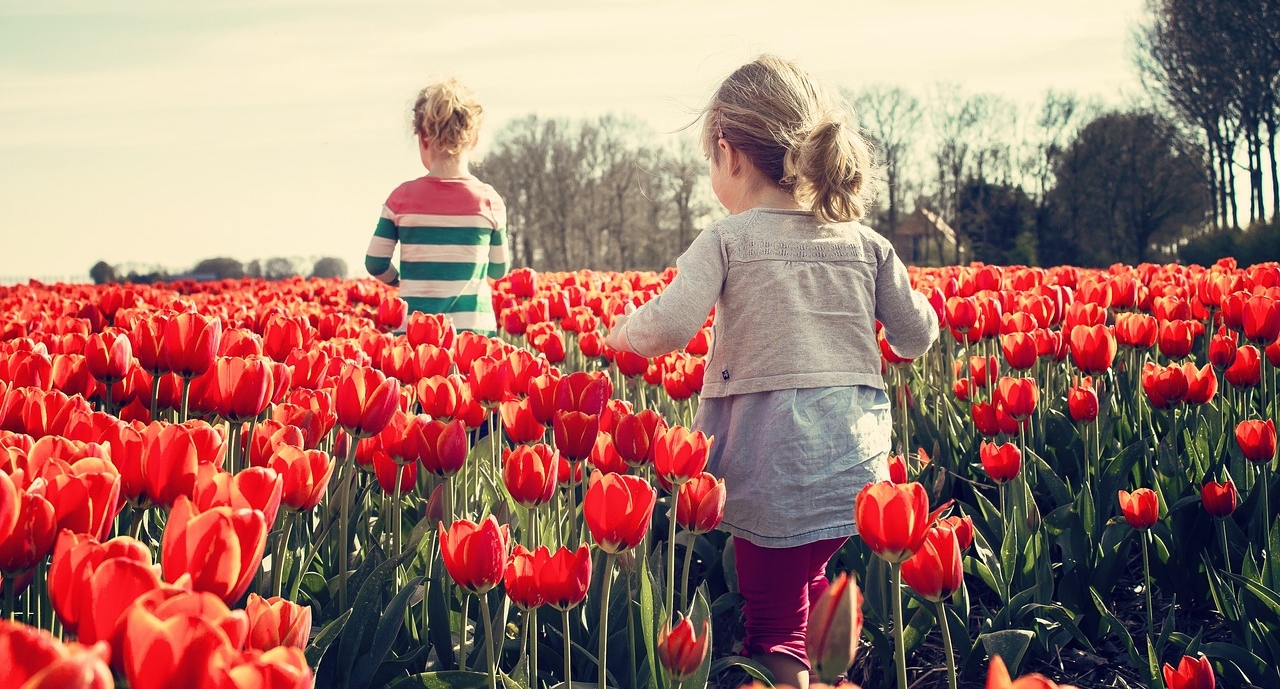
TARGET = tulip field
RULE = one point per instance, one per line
(253, 484)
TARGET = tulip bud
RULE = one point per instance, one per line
(835, 625)
(680, 651)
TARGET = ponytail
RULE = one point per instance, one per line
(834, 170)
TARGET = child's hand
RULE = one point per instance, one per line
(615, 339)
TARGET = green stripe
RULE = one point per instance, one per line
(497, 270)
(461, 303)
(498, 237)
(385, 229)
(456, 236)
(377, 265)
(435, 270)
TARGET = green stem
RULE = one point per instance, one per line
(9, 607)
(564, 634)
(531, 618)
(155, 394)
(602, 682)
(1146, 586)
(684, 585)
(900, 654)
(135, 522)
(344, 512)
(573, 504)
(671, 554)
(946, 643)
(277, 558)
(1222, 538)
(462, 633)
(186, 394)
(488, 640)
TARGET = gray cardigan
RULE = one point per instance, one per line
(796, 304)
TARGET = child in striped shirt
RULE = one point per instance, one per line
(451, 226)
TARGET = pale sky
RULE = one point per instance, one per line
(166, 132)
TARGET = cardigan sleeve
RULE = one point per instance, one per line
(668, 321)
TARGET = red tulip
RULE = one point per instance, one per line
(892, 518)
(283, 667)
(1222, 348)
(529, 474)
(441, 447)
(1261, 319)
(220, 548)
(1176, 338)
(1141, 508)
(591, 344)
(679, 455)
(680, 651)
(32, 537)
(898, 469)
(936, 570)
(1257, 440)
(1019, 350)
(630, 364)
(564, 576)
(283, 336)
(617, 508)
(700, 503)
(1165, 386)
(519, 421)
(439, 396)
(365, 399)
(634, 436)
(306, 475)
(393, 477)
(1246, 370)
(146, 339)
(32, 658)
(1137, 330)
(583, 392)
(391, 314)
(1202, 383)
(475, 554)
(161, 652)
(962, 314)
(962, 526)
(519, 579)
(1192, 673)
(170, 463)
(10, 505)
(430, 328)
(86, 496)
(1019, 396)
(985, 419)
(254, 488)
(109, 356)
(244, 388)
(190, 344)
(835, 626)
(575, 434)
(1219, 499)
(269, 436)
(277, 622)
(490, 380)
(74, 581)
(1082, 402)
(1001, 462)
(1093, 348)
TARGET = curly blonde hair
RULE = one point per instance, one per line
(447, 114)
(801, 138)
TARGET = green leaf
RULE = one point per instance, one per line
(322, 641)
(445, 679)
(751, 667)
(438, 629)
(701, 613)
(385, 635)
(1264, 595)
(1009, 644)
(650, 619)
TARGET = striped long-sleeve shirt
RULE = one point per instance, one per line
(453, 235)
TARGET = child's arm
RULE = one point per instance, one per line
(668, 321)
(377, 260)
(910, 323)
(499, 250)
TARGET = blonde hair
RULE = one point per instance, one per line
(448, 115)
(801, 138)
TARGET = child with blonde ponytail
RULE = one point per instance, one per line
(793, 391)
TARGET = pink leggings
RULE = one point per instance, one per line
(778, 585)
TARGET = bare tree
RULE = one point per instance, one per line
(891, 117)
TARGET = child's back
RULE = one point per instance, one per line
(452, 226)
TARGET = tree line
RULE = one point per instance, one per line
(222, 268)
(1064, 180)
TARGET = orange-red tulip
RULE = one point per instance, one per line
(835, 626)
(190, 343)
(1093, 348)
(1219, 499)
(679, 455)
(32, 658)
(529, 474)
(1191, 673)
(563, 577)
(892, 518)
(306, 475)
(617, 508)
(1257, 440)
(936, 570)
(700, 503)
(365, 400)
(1246, 370)
(475, 554)
(1001, 462)
(277, 622)
(79, 593)
(680, 650)
(520, 577)
(1141, 508)
(998, 678)
(1019, 396)
(441, 447)
(32, 536)
(220, 548)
